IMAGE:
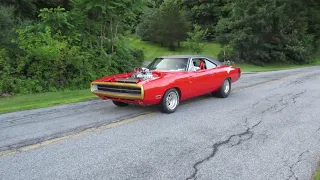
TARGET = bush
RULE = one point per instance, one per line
(139, 56)
(227, 54)
(50, 57)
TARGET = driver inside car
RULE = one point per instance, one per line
(195, 67)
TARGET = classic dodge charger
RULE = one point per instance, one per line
(167, 81)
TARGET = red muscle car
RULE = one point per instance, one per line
(167, 81)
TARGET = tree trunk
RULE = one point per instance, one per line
(66, 4)
(111, 30)
(101, 36)
(171, 46)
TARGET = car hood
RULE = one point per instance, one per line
(127, 77)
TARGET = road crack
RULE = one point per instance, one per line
(303, 79)
(297, 96)
(248, 134)
(292, 173)
(283, 102)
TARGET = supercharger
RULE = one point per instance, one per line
(142, 73)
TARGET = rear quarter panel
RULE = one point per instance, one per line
(235, 74)
(223, 72)
(229, 71)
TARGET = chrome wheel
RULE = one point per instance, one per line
(172, 100)
(226, 85)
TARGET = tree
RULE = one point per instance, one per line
(147, 29)
(156, 3)
(195, 40)
(174, 25)
(261, 31)
(7, 22)
(30, 9)
(207, 13)
(167, 25)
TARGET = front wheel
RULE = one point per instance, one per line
(224, 90)
(170, 101)
(120, 104)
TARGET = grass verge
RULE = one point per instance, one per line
(33, 101)
(275, 67)
(317, 173)
(152, 50)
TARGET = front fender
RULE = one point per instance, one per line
(154, 90)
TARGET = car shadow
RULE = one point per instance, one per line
(154, 108)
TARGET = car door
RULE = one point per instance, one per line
(185, 82)
(214, 76)
(188, 82)
(198, 79)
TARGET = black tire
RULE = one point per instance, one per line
(224, 90)
(120, 104)
(168, 105)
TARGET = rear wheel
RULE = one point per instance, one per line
(120, 104)
(224, 90)
(170, 101)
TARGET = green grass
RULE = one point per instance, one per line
(316, 62)
(275, 67)
(152, 50)
(33, 101)
(317, 173)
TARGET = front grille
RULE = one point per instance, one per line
(118, 90)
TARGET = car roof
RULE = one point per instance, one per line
(192, 56)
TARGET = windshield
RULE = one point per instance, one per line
(169, 64)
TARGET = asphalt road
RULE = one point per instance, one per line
(268, 128)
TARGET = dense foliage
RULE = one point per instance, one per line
(271, 31)
(65, 49)
(50, 45)
(166, 25)
(254, 31)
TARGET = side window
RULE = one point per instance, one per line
(210, 65)
(194, 64)
(197, 63)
